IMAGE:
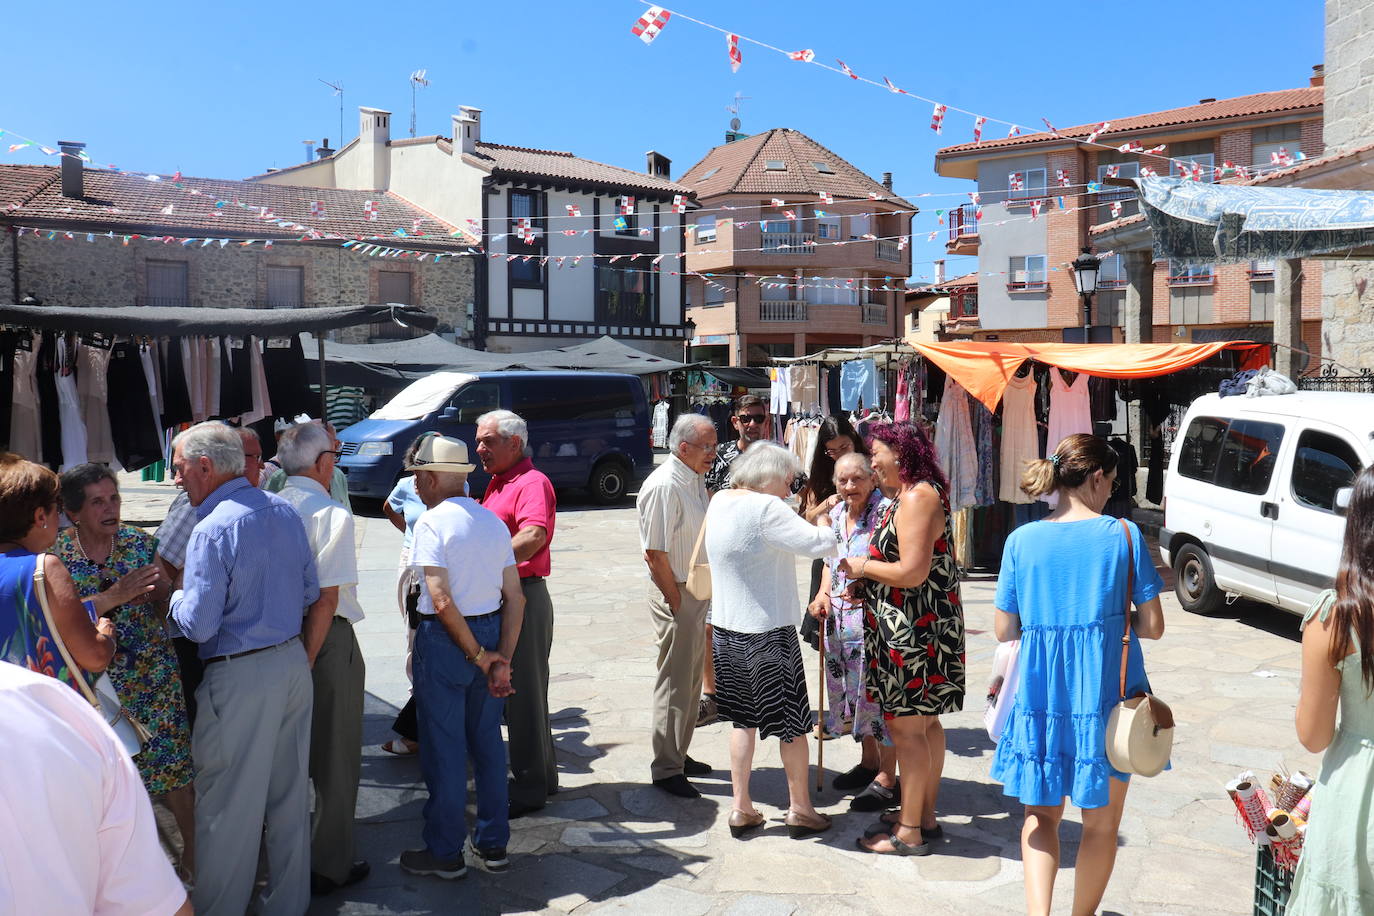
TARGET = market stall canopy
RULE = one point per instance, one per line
(155, 321)
(1198, 222)
(605, 354)
(739, 376)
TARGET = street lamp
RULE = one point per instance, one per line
(1085, 281)
(689, 329)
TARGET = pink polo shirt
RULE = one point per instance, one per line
(522, 497)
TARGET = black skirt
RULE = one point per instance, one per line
(760, 682)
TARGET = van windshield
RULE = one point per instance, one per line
(422, 396)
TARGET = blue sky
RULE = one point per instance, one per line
(225, 91)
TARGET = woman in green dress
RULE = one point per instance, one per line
(113, 565)
(1335, 875)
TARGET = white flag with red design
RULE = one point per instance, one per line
(1131, 147)
(1035, 208)
(574, 210)
(978, 123)
(790, 214)
(524, 230)
(1116, 209)
(1062, 176)
(826, 197)
(937, 118)
(1015, 181)
(1098, 130)
(1014, 132)
(317, 208)
(679, 203)
(370, 211)
(1157, 150)
(779, 202)
(415, 226)
(627, 206)
(732, 48)
(806, 55)
(651, 23)
(1147, 172)
(874, 195)
(845, 68)
(977, 214)
(902, 242)
(893, 88)
(1113, 171)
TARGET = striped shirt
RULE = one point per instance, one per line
(672, 505)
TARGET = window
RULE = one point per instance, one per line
(1111, 272)
(964, 304)
(1323, 464)
(624, 223)
(779, 289)
(822, 167)
(624, 296)
(1190, 305)
(1201, 446)
(706, 229)
(1247, 457)
(828, 227)
(1127, 166)
(1025, 184)
(709, 173)
(1026, 273)
(860, 225)
(1261, 269)
(527, 205)
(286, 287)
(1197, 166)
(1183, 274)
(393, 286)
(1275, 139)
(827, 291)
(167, 283)
(570, 398)
(715, 294)
(475, 399)
(774, 165)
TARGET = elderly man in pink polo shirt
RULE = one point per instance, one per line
(523, 498)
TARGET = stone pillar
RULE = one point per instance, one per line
(1138, 322)
(1289, 348)
(740, 347)
(799, 343)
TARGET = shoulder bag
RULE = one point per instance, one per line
(131, 733)
(1140, 731)
(699, 571)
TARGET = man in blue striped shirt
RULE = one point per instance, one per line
(249, 578)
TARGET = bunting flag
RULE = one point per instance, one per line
(1062, 176)
(892, 88)
(1099, 129)
(1014, 132)
(317, 209)
(937, 118)
(370, 211)
(779, 202)
(874, 195)
(167, 210)
(845, 68)
(1113, 171)
(1054, 131)
(15, 147)
(978, 123)
(974, 196)
(414, 226)
(525, 230)
(1196, 172)
(940, 217)
(474, 230)
(1147, 172)
(620, 224)
(902, 242)
(790, 214)
(1014, 181)
(806, 55)
(977, 214)
(1132, 146)
(679, 203)
(1035, 208)
(826, 198)
(1158, 150)
(573, 210)
(650, 24)
(732, 48)
(1116, 209)
(627, 206)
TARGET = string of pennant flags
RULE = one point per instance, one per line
(650, 25)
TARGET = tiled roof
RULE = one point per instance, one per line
(939, 288)
(119, 201)
(1309, 164)
(739, 169)
(542, 163)
(1116, 224)
(1306, 98)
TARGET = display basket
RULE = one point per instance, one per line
(1272, 884)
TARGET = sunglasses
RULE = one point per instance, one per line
(752, 418)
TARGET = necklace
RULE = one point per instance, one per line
(81, 549)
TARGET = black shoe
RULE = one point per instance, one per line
(677, 785)
(856, 778)
(692, 767)
(321, 886)
(877, 797)
(517, 809)
(424, 862)
(493, 857)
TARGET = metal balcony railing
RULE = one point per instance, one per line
(782, 310)
(874, 313)
(167, 301)
(888, 250)
(788, 242)
(962, 223)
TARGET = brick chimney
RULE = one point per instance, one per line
(72, 165)
(1318, 77)
(323, 151)
(887, 180)
(658, 165)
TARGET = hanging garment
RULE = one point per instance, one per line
(193, 362)
(69, 404)
(1069, 409)
(858, 384)
(660, 425)
(212, 377)
(286, 379)
(778, 394)
(176, 396)
(9, 340)
(901, 409)
(133, 417)
(24, 413)
(823, 392)
(803, 387)
(1102, 397)
(955, 448)
(148, 356)
(1020, 442)
(49, 410)
(257, 377)
(92, 369)
(832, 393)
(985, 493)
(236, 384)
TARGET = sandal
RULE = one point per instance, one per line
(401, 747)
(899, 847)
(887, 821)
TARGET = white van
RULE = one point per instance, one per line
(1253, 502)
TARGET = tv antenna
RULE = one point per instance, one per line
(337, 86)
(417, 80)
(734, 110)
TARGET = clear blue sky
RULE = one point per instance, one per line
(225, 91)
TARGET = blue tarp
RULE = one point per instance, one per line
(1201, 223)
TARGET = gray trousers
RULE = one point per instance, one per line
(251, 745)
(336, 750)
(681, 641)
(534, 769)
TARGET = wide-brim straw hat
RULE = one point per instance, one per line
(441, 453)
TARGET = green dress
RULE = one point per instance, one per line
(1335, 875)
(144, 670)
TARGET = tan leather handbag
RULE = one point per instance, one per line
(1140, 731)
(699, 574)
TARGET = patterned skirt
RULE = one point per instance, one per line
(760, 682)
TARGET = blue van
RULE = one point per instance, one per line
(587, 429)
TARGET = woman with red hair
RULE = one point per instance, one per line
(913, 629)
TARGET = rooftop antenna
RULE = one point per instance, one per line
(337, 86)
(417, 80)
(734, 110)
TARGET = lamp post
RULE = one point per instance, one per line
(1085, 281)
(689, 330)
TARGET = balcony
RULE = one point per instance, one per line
(874, 313)
(888, 251)
(963, 231)
(782, 310)
(788, 242)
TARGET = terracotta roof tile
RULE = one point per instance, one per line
(937, 288)
(123, 202)
(1306, 98)
(1308, 164)
(739, 169)
(542, 163)
(1115, 224)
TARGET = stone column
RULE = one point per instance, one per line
(1138, 322)
(799, 343)
(1289, 348)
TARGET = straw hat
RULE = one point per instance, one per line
(440, 453)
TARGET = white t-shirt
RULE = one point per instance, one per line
(77, 833)
(329, 528)
(473, 544)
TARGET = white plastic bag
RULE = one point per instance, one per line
(1002, 687)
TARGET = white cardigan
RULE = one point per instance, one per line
(752, 544)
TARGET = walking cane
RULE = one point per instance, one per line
(820, 735)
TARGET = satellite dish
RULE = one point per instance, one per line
(734, 123)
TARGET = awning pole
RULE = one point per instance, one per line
(324, 399)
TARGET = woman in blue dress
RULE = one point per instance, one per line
(1061, 591)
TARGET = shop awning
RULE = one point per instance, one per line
(739, 376)
(1198, 222)
(155, 321)
(605, 354)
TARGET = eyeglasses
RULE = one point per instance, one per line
(752, 417)
(838, 452)
(337, 454)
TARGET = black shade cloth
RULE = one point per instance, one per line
(739, 375)
(164, 322)
(287, 386)
(176, 397)
(49, 416)
(9, 341)
(137, 440)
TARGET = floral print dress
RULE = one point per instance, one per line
(914, 637)
(844, 631)
(144, 669)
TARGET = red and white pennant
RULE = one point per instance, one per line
(651, 23)
(732, 48)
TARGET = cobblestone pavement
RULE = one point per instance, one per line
(609, 843)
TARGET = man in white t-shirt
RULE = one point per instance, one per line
(77, 832)
(306, 452)
(471, 609)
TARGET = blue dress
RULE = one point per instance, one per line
(1067, 583)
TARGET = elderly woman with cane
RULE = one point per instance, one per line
(752, 541)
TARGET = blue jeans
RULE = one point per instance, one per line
(458, 719)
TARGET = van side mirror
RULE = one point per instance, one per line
(449, 413)
(1343, 496)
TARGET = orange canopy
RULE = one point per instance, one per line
(984, 366)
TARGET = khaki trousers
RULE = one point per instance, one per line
(336, 749)
(677, 688)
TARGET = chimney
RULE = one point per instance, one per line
(374, 136)
(1318, 77)
(1205, 101)
(72, 165)
(658, 165)
(887, 180)
(939, 272)
(323, 151)
(467, 128)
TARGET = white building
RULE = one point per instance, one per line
(549, 225)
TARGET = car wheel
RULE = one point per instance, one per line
(609, 483)
(1194, 582)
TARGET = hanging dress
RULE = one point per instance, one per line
(92, 388)
(955, 448)
(69, 404)
(1070, 409)
(132, 415)
(1020, 443)
(24, 416)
